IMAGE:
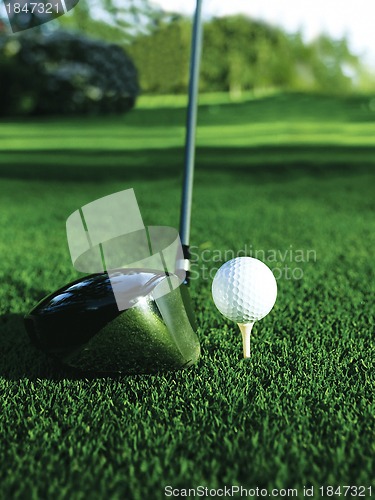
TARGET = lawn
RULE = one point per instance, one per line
(287, 178)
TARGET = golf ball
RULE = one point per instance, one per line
(244, 290)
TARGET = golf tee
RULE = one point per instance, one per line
(246, 332)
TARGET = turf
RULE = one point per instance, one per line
(287, 178)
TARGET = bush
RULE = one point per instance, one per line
(64, 73)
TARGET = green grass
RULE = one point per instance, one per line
(282, 175)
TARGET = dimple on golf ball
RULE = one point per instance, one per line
(244, 290)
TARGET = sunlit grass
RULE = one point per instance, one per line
(221, 122)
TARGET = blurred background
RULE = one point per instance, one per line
(70, 65)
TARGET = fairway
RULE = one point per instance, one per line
(287, 178)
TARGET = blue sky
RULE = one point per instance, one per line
(355, 19)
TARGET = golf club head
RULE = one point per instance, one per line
(82, 326)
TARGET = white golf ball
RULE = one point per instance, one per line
(244, 290)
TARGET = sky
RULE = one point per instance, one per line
(355, 19)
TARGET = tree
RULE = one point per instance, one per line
(162, 58)
(115, 21)
(333, 63)
(64, 73)
(241, 54)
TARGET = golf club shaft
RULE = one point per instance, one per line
(187, 191)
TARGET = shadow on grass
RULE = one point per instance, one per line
(19, 359)
(98, 165)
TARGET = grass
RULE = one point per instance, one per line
(288, 176)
